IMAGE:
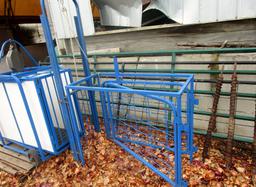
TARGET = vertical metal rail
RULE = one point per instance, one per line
(190, 118)
(117, 74)
(79, 114)
(79, 30)
(75, 146)
(177, 145)
(79, 149)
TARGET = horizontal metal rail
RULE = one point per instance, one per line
(168, 52)
(224, 115)
(168, 63)
(194, 71)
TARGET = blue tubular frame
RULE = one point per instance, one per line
(11, 78)
(115, 85)
(87, 72)
(71, 129)
(74, 145)
(76, 103)
(37, 76)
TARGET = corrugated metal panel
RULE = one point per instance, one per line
(204, 11)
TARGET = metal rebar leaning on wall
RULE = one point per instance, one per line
(232, 111)
(212, 121)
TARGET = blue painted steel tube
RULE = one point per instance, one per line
(54, 111)
(74, 128)
(149, 82)
(150, 166)
(116, 68)
(111, 120)
(57, 77)
(40, 150)
(82, 46)
(177, 143)
(79, 114)
(13, 114)
(190, 118)
(104, 110)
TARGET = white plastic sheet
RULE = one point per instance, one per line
(120, 12)
(62, 14)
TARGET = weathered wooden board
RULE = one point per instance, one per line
(14, 163)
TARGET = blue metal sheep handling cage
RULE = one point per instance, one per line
(148, 115)
(30, 114)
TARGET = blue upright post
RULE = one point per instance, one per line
(178, 145)
(58, 81)
(116, 68)
(82, 46)
(192, 104)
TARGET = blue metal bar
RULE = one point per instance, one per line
(148, 82)
(144, 144)
(192, 103)
(104, 89)
(57, 77)
(82, 46)
(177, 140)
(105, 114)
(185, 85)
(138, 131)
(79, 114)
(40, 150)
(79, 154)
(54, 113)
(150, 166)
(13, 113)
(116, 68)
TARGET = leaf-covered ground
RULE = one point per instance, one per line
(109, 165)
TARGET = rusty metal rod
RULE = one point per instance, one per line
(212, 121)
(232, 111)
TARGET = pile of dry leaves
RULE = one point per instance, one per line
(108, 165)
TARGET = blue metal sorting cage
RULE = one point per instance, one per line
(148, 115)
(30, 115)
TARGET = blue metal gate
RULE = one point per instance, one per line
(146, 118)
